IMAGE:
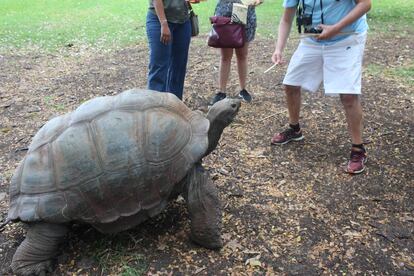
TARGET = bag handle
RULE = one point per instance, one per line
(190, 8)
(220, 20)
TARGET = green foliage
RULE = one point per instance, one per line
(54, 24)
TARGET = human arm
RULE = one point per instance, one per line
(258, 2)
(165, 30)
(285, 26)
(361, 8)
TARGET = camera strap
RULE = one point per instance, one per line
(299, 15)
(321, 11)
(301, 11)
(302, 7)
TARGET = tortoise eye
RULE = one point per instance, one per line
(233, 105)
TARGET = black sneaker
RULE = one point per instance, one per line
(218, 97)
(245, 95)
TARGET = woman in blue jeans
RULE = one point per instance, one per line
(169, 35)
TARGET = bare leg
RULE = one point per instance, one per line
(241, 54)
(353, 113)
(35, 254)
(293, 99)
(225, 64)
(204, 208)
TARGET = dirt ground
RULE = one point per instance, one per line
(287, 210)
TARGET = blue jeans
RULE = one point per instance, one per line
(167, 63)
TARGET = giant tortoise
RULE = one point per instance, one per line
(112, 163)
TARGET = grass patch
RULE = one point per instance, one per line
(403, 74)
(53, 24)
(117, 258)
(388, 15)
(54, 104)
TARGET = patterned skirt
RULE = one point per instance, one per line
(225, 7)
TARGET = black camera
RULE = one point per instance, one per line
(305, 20)
(313, 30)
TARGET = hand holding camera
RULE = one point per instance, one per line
(328, 31)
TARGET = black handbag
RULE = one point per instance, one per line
(194, 21)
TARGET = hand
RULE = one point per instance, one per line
(257, 2)
(165, 33)
(277, 57)
(328, 31)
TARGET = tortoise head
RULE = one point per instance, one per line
(220, 115)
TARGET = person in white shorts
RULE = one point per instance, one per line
(332, 55)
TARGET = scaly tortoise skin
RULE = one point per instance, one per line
(112, 163)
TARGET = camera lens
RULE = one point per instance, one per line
(313, 30)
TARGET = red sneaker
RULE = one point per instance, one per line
(286, 136)
(356, 163)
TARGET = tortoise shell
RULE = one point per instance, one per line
(112, 157)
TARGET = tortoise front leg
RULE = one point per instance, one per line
(204, 208)
(35, 254)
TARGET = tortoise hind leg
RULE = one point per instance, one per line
(35, 254)
(204, 208)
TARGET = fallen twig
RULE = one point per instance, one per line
(199, 270)
(267, 117)
(315, 35)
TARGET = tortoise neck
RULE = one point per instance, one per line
(214, 133)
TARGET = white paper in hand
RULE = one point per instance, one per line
(239, 14)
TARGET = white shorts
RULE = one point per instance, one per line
(338, 65)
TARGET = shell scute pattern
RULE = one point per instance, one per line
(91, 109)
(37, 175)
(99, 199)
(50, 206)
(75, 158)
(76, 206)
(49, 131)
(119, 152)
(167, 134)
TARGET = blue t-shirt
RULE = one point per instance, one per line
(333, 12)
